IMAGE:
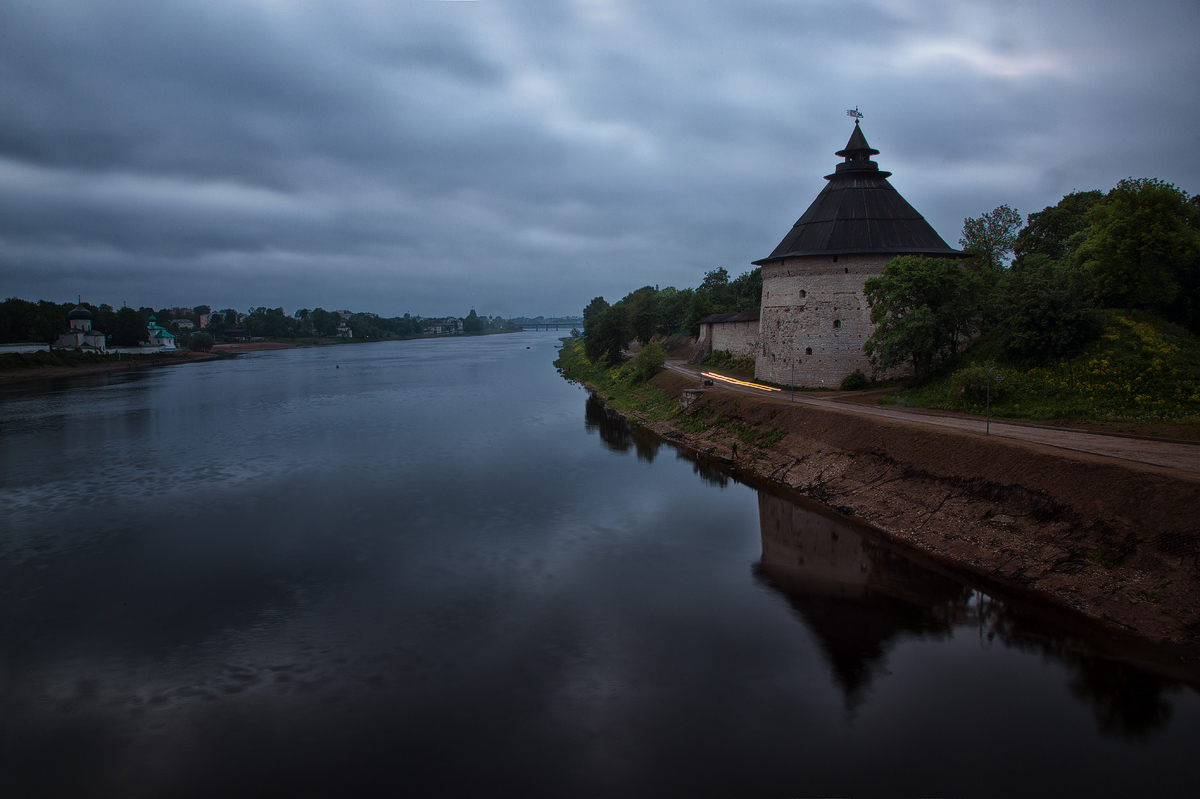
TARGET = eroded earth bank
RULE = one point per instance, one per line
(1115, 540)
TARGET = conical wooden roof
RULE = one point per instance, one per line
(858, 211)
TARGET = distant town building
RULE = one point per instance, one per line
(442, 326)
(160, 338)
(81, 335)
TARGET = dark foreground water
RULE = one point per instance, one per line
(435, 568)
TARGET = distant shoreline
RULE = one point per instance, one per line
(23, 374)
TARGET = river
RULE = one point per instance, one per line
(436, 568)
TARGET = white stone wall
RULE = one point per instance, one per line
(815, 319)
(740, 339)
(25, 346)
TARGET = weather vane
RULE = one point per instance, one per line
(854, 112)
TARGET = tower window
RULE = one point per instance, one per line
(808, 350)
(803, 293)
(835, 259)
(837, 323)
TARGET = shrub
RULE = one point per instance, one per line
(200, 341)
(855, 381)
(725, 359)
(970, 386)
(646, 363)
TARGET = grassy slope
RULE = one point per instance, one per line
(64, 357)
(1141, 369)
(650, 403)
(616, 384)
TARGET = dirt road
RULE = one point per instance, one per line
(1171, 454)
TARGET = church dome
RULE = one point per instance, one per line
(858, 211)
(79, 313)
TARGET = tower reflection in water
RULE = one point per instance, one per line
(860, 597)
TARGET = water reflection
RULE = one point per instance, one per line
(856, 596)
(859, 598)
(617, 433)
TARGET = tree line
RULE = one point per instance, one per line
(44, 321)
(1136, 247)
(669, 311)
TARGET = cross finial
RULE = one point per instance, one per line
(854, 112)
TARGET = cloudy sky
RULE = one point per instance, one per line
(523, 156)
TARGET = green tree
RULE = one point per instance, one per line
(48, 321)
(200, 341)
(700, 307)
(104, 318)
(670, 309)
(642, 312)
(270, 323)
(1055, 230)
(1143, 249)
(607, 335)
(21, 314)
(1044, 312)
(365, 326)
(130, 329)
(716, 283)
(593, 309)
(324, 323)
(746, 289)
(923, 309)
(990, 238)
(647, 362)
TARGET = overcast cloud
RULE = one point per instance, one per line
(520, 157)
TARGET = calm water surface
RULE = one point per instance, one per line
(435, 567)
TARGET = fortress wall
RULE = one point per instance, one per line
(802, 300)
(740, 339)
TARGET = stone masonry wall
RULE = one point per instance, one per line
(740, 339)
(815, 318)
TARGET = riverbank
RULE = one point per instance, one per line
(1114, 540)
(110, 364)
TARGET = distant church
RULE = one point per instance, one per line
(81, 335)
(815, 318)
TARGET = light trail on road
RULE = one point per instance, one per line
(723, 379)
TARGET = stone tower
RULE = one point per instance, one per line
(815, 317)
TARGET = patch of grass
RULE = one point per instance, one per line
(34, 360)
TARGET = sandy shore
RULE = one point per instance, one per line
(252, 346)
